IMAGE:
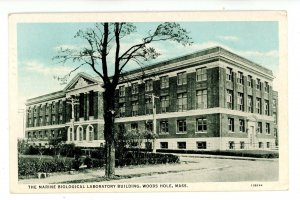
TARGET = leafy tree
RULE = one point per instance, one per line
(104, 39)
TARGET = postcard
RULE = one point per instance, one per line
(148, 101)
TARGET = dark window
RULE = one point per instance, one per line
(164, 82)
(231, 145)
(201, 125)
(134, 88)
(240, 101)
(242, 125)
(164, 100)
(242, 145)
(201, 99)
(181, 102)
(240, 78)
(164, 127)
(231, 124)
(229, 74)
(259, 127)
(164, 145)
(148, 85)
(181, 78)
(181, 126)
(135, 107)
(201, 145)
(201, 74)
(181, 145)
(229, 99)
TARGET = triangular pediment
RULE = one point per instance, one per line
(81, 80)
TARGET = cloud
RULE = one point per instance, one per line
(42, 69)
(228, 38)
(67, 46)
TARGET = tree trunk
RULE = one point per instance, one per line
(109, 105)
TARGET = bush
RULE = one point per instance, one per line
(239, 153)
(28, 166)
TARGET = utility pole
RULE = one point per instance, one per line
(73, 102)
(153, 97)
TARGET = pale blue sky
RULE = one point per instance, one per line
(38, 43)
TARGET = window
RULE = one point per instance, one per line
(181, 78)
(134, 88)
(201, 125)
(201, 74)
(134, 127)
(268, 128)
(266, 86)
(242, 125)
(122, 91)
(240, 101)
(164, 82)
(122, 109)
(53, 119)
(229, 74)
(164, 100)
(240, 78)
(250, 104)
(181, 145)
(231, 145)
(47, 120)
(231, 124)
(267, 107)
(181, 102)
(60, 118)
(258, 84)
(201, 99)
(149, 106)
(260, 145)
(229, 99)
(148, 85)
(249, 79)
(164, 145)
(258, 105)
(275, 118)
(259, 127)
(181, 126)
(35, 121)
(41, 121)
(201, 145)
(268, 145)
(274, 104)
(242, 145)
(149, 126)
(164, 127)
(134, 106)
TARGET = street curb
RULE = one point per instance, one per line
(227, 157)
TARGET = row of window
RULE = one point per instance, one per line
(250, 80)
(241, 106)
(43, 135)
(40, 121)
(47, 107)
(242, 126)
(81, 135)
(203, 145)
(201, 75)
(164, 82)
(201, 103)
(201, 126)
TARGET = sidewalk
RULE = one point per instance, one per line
(188, 163)
(185, 165)
(223, 157)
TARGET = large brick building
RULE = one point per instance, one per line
(210, 99)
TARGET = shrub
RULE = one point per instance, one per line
(240, 153)
(28, 166)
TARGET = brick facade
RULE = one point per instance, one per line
(197, 94)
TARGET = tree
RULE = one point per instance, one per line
(102, 40)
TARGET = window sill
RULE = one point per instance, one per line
(164, 133)
(201, 132)
(181, 133)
